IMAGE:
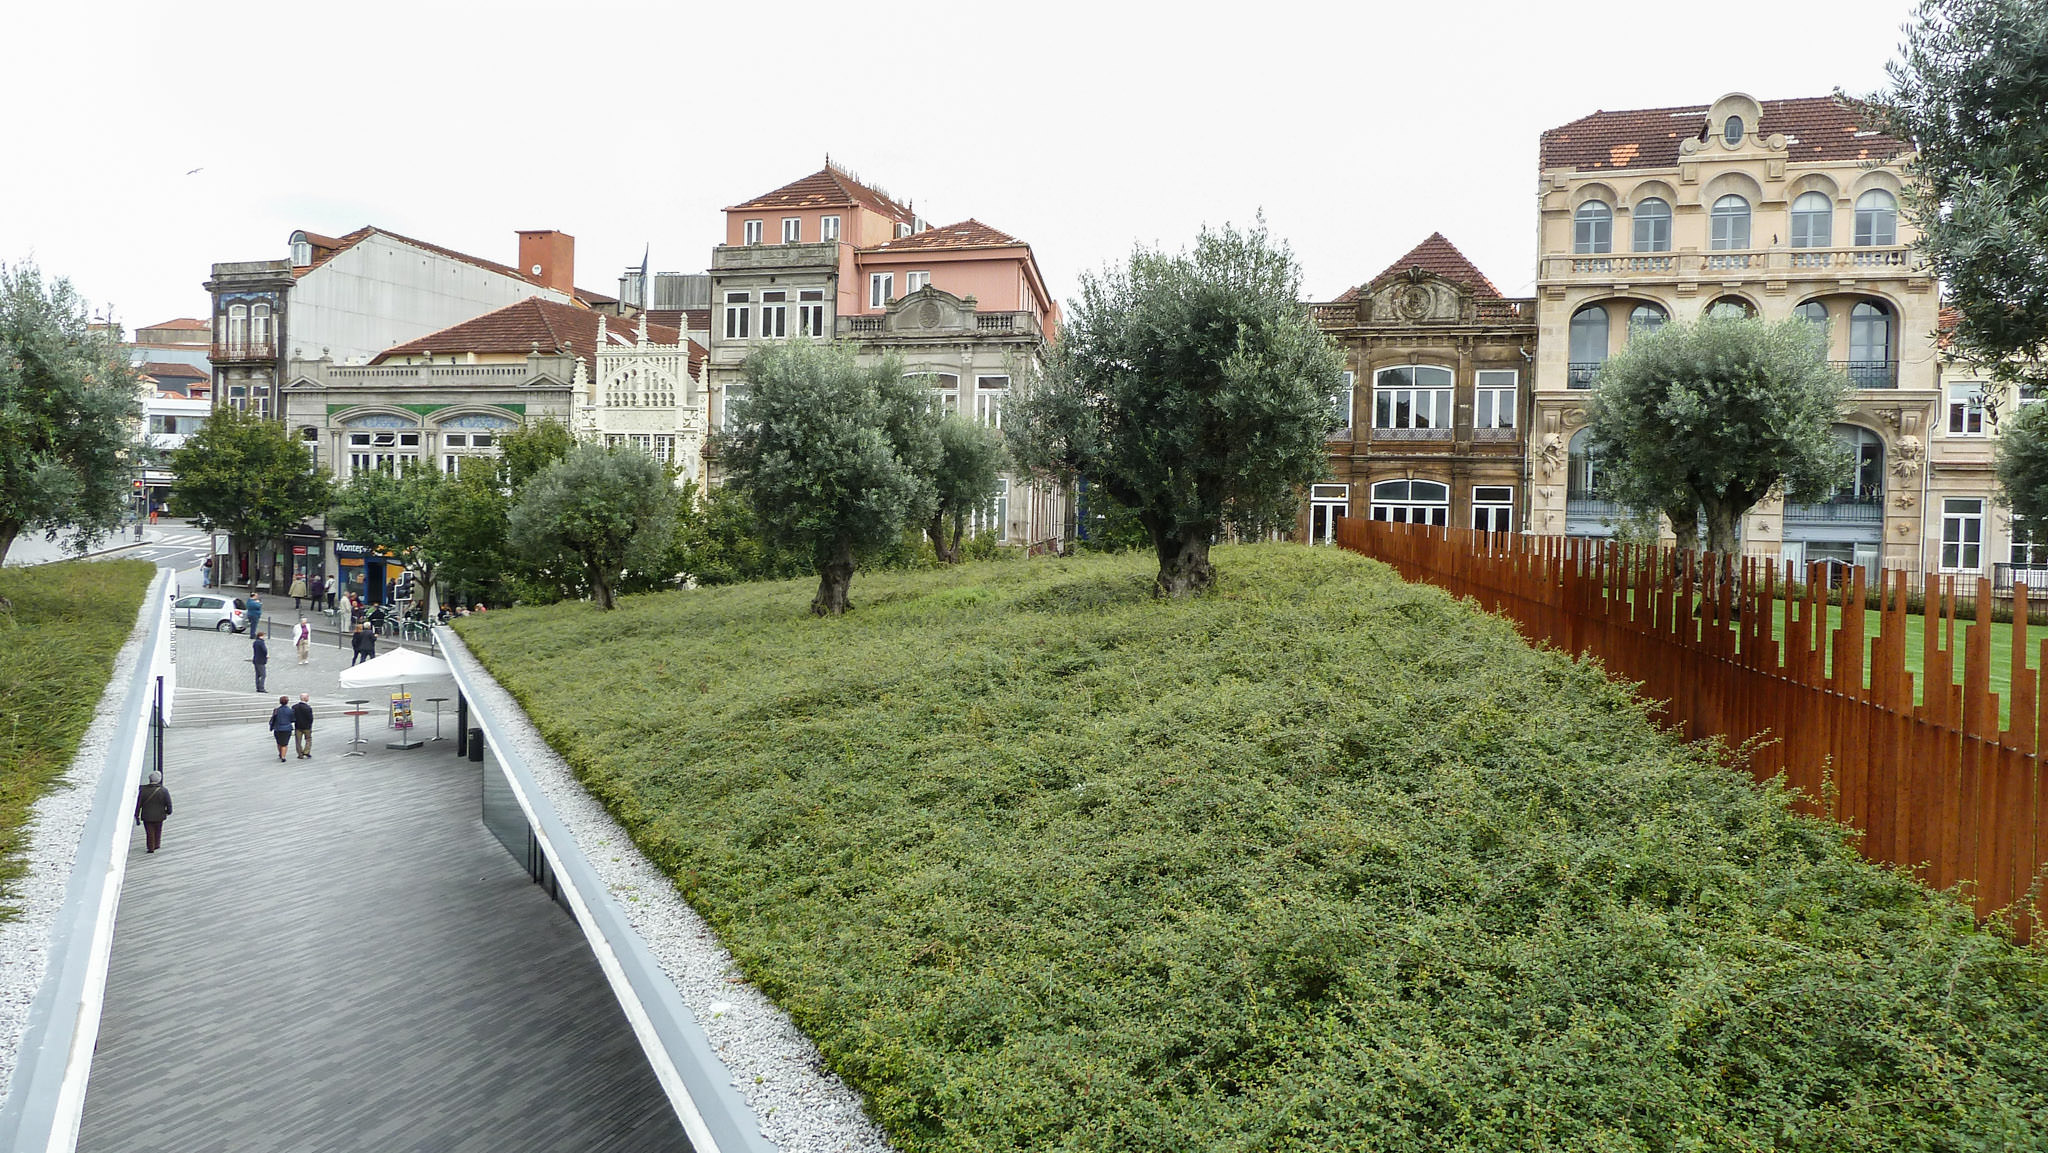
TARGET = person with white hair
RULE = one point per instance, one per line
(152, 805)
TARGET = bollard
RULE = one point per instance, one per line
(461, 725)
(476, 745)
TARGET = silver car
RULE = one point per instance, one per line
(207, 611)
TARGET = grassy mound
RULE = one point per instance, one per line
(1324, 861)
(57, 650)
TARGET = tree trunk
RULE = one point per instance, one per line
(936, 530)
(835, 577)
(600, 588)
(9, 530)
(1721, 527)
(959, 526)
(1183, 564)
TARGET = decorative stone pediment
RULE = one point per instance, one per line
(1413, 296)
(929, 310)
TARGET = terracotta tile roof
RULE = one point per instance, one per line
(518, 328)
(1434, 255)
(184, 323)
(1815, 128)
(826, 188)
(682, 319)
(162, 369)
(968, 233)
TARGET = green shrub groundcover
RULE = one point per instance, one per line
(1324, 861)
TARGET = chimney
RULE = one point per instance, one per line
(548, 258)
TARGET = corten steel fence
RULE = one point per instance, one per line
(1936, 784)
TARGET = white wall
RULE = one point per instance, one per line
(382, 292)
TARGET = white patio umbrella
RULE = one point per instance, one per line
(397, 667)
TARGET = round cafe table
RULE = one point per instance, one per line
(355, 742)
(437, 719)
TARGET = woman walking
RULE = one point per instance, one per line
(302, 639)
(298, 590)
(152, 805)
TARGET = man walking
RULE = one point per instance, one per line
(302, 639)
(259, 655)
(152, 805)
(318, 588)
(364, 642)
(281, 725)
(302, 725)
(254, 612)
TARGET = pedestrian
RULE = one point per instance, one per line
(152, 515)
(152, 805)
(302, 725)
(298, 592)
(206, 574)
(302, 639)
(317, 589)
(259, 655)
(281, 723)
(255, 611)
(364, 643)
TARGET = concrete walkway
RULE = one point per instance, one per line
(335, 954)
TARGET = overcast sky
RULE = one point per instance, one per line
(1082, 128)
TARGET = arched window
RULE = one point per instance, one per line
(1582, 469)
(1877, 219)
(1731, 130)
(1870, 345)
(1593, 228)
(259, 325)
(238, 327)
(1588, 344)
(1413, 397)
(302, 250)
(1653, 226)
(1866, 478)
(1730, 224)
(1646, 318)
(1813, 221)
(1412, 502)
(1814, 313)
(1729, 308)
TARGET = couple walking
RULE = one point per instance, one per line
(289, 720)
(259, 651)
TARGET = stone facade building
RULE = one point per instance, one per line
(1773, 208)
(963, 305)
(1435, 400)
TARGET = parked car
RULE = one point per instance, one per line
(206, 611)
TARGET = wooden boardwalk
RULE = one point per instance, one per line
(336, 955)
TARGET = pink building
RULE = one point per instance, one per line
(964, 306)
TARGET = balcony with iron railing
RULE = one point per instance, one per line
(1869, 373)
(989, 324)
(229, 350)
(1581, 373)
(1411, 434)
(1859, 508)
(2005, 576)
(1590, 508)
(1795, 263)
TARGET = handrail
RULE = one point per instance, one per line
(714, 1115)
(46, 1098)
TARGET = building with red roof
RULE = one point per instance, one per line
(1435, 397)
(963, 305)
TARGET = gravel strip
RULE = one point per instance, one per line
(55, 825)
(802, 1107)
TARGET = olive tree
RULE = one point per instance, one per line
(969, 470)
(836, 457)
(608, 508)
(1192, 388)
(1699, 421)
(243, 474)
(70, 414)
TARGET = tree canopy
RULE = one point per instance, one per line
(70, 414)
(1702, 419)
(243, 474)
(1192, 388)
(836, 458)
(2023, 466)
(393, 512)
(609, 508)
(1968, 94)
(970, 467)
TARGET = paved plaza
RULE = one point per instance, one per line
(334, 954)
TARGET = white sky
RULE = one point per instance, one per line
(1082, 128)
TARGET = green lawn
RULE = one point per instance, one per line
(1324, 861)
(57, 650)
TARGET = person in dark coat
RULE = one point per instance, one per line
(318, 588)
(302, 726)
(363, 643)
(281, 725)
(152, 805)
(259, 655)
(254, 612)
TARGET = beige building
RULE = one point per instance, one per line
(1772, 208)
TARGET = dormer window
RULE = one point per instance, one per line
(1731, 131)
(902, 230)
(752, 232)
(302, 250)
